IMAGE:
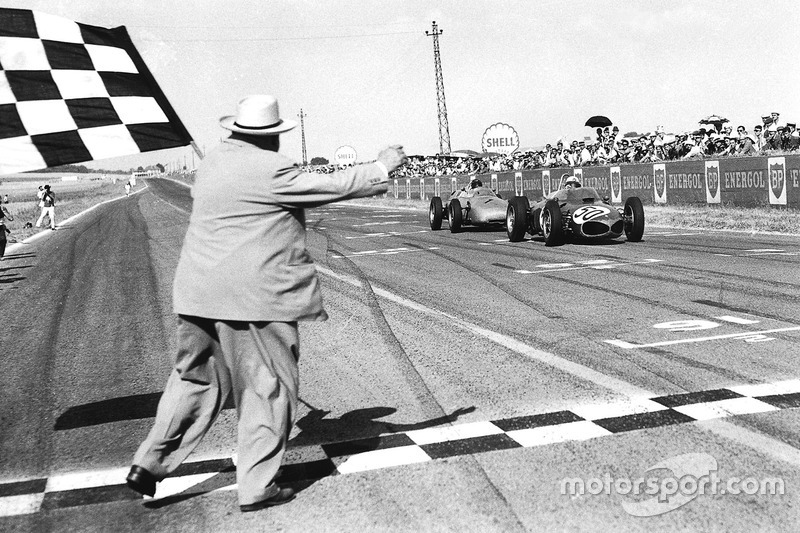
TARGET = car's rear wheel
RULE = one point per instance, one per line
(634, 219)
(533, 221)
(436, 213)
(454, 216)
(552, 224)
(517, 218)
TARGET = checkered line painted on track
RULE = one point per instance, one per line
(418, 446)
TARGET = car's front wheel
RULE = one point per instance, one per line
(552, 224)
(634, 219)
(517, 218)
(436, 213)
(454, 216)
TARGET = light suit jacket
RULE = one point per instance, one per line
(244, 255)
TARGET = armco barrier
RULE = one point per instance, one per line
(737, 181)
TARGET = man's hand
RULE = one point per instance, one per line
(392, 157)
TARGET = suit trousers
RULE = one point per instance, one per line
(257, 363)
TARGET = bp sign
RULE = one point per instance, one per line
(500, 138)
(345, 155)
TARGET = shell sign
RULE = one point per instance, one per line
(345, 155)
(500, 138)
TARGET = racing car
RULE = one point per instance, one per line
(474, 205)
(574, 211)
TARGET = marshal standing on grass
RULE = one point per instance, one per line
(243, 281)
(4, 214)
(48, 208)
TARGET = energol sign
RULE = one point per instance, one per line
(500, 138)
(345, 155)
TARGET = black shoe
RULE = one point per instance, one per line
(283, 496)
(141, 480)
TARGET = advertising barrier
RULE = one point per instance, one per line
(737, 181)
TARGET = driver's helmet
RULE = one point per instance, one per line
(475, 183)
(572, 183)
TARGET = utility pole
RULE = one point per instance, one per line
(303, 135)
(444, 129)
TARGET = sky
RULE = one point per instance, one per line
(363, 72)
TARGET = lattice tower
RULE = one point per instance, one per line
(444, 129)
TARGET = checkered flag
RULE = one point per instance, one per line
(70, 92)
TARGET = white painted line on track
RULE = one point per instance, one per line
(725, 408)
(176, 485)
(572, 431)
(789, 386)
(565, 267)
(736, 320)
(386, 234)
(552, 266)
(389, 223)
(388, 251)
(629, 345)
(98, 478)
(634, 406)
(457, 432)
(771, 253)
(585, 373)
(403, 455)
(21, 504)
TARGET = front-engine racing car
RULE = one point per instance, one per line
(474, 205)
(575, 211)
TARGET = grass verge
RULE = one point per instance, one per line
(67, 205)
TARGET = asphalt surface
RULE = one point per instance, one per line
(461, 381)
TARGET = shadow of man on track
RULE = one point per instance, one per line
(358, 424)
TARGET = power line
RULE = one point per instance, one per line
(262, 28)
(262, 39)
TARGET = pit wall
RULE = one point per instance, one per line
(738, 181)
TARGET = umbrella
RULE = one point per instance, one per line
(713, 119)
(598, 121)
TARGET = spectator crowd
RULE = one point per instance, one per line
(610, 147)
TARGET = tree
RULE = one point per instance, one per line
(160, 167)
(319, 161)
(140, 169)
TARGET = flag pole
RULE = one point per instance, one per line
(197, 150)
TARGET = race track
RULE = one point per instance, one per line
(460, 380)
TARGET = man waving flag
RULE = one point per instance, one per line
(70, 92)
